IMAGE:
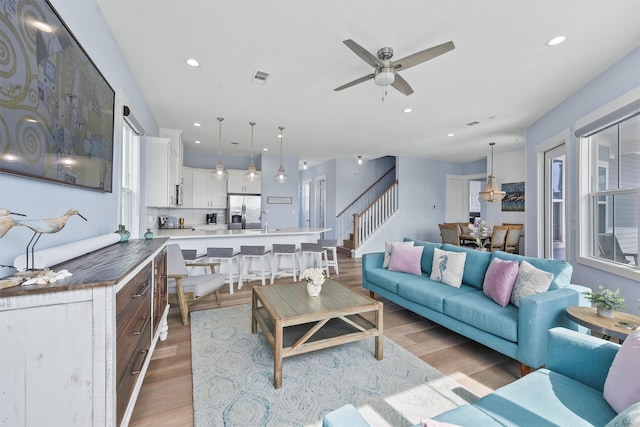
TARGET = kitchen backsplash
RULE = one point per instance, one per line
(192, 217)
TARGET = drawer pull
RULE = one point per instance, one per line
(144, 324)
(142, 291)
(143, 353)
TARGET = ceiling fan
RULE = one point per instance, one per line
(386, 71)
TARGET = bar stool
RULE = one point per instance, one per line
(331, 246)
(317, 255)
(249, 254)
(229, 264)
(280, 253)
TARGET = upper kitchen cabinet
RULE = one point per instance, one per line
(240, 185)
(164, 169)
(208, 192)
(187, 187)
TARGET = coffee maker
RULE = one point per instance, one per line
(212, 218)
(162, 221)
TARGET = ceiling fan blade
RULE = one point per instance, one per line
(363, 53)
(355, 82)
(422, 56)
(401, 85)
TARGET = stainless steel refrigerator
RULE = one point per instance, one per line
(244, 211)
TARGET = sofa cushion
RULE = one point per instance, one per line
(560, 268)
(406, 259)
(546, 398)
(467, 415)
(388, 247)
(386, 279)
(427, 253)
(448, 267)
(475, 266)
(530, 281)
(429, 293)
(478, 310)
(622, 386)
(499, 280)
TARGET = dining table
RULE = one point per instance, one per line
(467, 238)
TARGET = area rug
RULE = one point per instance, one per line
(233, 379)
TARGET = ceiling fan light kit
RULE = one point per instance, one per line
(492, 193)
(281, 177)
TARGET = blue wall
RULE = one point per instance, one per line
(619, 79)
(39, 199)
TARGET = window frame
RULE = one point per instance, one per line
(130, 187)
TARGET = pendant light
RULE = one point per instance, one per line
(221, 173)
(491, 193)
(252, 174)
(281, 177)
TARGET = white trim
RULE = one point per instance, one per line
(621, 101)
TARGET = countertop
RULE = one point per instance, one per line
(197, 233)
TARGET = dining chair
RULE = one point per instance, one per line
(498, 238)
(189, 288)
(512, 241)
(450, 233)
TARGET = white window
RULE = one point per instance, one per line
(610, 197)
(129, 191)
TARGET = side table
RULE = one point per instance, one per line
(620, 326)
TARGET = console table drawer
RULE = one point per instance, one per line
(130, 332)
(133, 294)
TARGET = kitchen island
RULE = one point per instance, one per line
(201, 239)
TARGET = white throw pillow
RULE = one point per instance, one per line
(530, 281)
(448, 267)
(388, 248)
(622, 386)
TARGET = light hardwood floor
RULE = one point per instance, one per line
(166, 395)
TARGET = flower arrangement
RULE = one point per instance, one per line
(606, 298)
(479, 228)
(314, 275)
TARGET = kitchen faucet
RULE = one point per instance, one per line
(266, 220)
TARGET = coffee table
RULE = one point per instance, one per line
(295, 323)
(620, 326)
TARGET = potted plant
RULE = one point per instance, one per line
(606, 301)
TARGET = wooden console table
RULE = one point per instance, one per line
(75, 352)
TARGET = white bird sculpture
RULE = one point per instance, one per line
(44, 226)
(6, 222)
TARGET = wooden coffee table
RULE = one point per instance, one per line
(620, 326)
(295, 323)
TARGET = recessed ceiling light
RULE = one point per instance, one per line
(192, 62)
(450, 134)
(556, 41)
(407, 110)
(265, 149)
(196, 124)
(42, 26)
(197, 142)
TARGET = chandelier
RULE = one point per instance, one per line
(491, 193)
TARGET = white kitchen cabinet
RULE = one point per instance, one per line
(238, 184)
(164, 175)
(208, 192)
(187, 187)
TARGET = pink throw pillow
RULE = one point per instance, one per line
(406, 259)
(622, 386)
(499, 280)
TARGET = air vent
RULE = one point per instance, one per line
(260, 77)
(473, 123)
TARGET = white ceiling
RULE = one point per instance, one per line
(500, 74)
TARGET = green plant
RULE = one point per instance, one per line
(606, 298)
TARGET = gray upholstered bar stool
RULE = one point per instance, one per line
(229, 264)
(287, 254)
(313, 255)
(249, 255)
(331, 246)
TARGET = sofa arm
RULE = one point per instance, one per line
(539, 313)
(370, 261)
(582, 357)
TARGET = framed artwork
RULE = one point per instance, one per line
(56, 108)
(514, 198)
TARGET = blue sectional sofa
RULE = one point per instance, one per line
(569, 392)
(520, 333)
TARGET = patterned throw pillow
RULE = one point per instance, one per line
(448, 267)
(388, 247)
(530, 281)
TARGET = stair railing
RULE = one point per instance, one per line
(368, 221)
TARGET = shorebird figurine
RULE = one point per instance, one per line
(6, 222)
(44, 226)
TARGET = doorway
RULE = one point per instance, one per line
(554, 203)
(321, 201)
(305, 200)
